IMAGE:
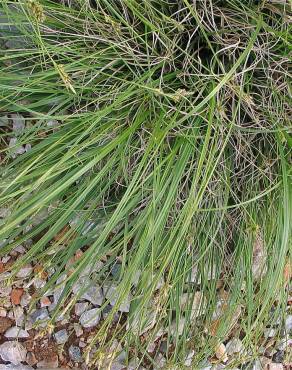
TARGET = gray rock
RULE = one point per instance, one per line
(59, 288)
(19, 249)
(92, 293)
(288, 324)
(234, 346)
(13, 352)
(78, 330)
(49, 364)
(90, 318)
(116, 270)
(18, 123)
(5, 259)
(61, 336)
(16, 332)
(15, 148)
(40, 317)
(18, 315)
(24, 271)
(39, 283)
(189, 358)
(279, 357)
(75, 354)
(25, 300)
(111, 293)
(80, 308)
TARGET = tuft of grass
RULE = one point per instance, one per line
(171, 156)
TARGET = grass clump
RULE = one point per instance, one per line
(160, 141)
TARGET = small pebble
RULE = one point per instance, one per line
(75, 353)
(78, 329)
(3, 312)
(61, 336)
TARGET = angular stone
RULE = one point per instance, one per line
(40, 317)
(16, 332)
(80, 308)
(92, 293)
(90, 318)
(61, 336)
(111, 293)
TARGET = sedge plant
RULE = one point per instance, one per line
(160, 136)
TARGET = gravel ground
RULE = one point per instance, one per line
(27, 342)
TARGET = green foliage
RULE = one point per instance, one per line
(172, 152)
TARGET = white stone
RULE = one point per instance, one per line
(13, 352)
